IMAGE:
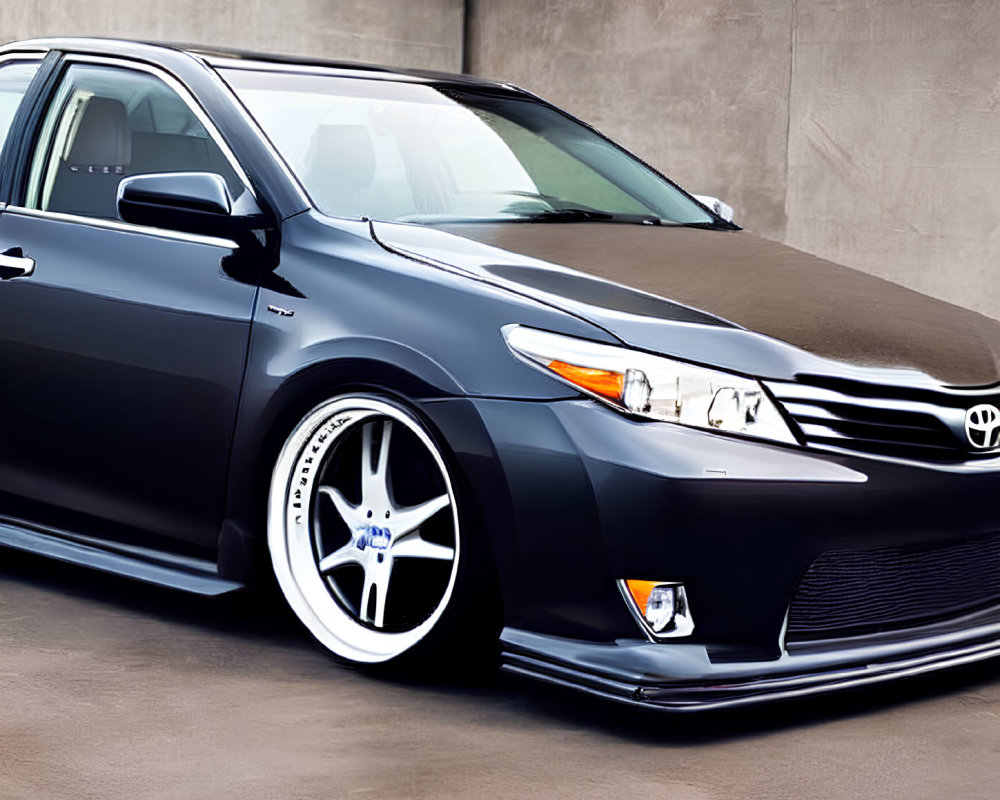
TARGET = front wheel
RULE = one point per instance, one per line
(363, 530)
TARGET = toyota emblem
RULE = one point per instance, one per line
(982, 426)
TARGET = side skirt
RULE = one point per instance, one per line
(139, 563)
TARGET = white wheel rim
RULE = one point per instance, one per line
(307, 575)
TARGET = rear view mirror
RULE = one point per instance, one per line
(190, 202)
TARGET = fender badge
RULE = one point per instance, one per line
(281, 312)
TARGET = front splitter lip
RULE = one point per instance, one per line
(688, 681)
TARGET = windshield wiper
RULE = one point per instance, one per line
(588, 215)
(714, 225)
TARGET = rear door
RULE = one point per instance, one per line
(122, 347)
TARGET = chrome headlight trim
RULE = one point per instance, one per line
(653, 387)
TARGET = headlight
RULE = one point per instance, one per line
(653, 387)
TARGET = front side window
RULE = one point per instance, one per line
(106, 123)
(15, 76)
(416, 152)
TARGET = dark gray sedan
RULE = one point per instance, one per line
(461, 370)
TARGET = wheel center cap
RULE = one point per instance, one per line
(374, 537)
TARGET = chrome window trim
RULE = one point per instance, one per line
(359, 72)
(23, 55)
(125, 227)
(182, 91)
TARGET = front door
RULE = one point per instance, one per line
(122, 349)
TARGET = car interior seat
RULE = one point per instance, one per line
(86, 180)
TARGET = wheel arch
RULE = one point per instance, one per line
(448, 420)
(270, 411)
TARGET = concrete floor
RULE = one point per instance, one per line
(110, 689)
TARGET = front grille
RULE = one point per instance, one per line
(915, 423)
(854, 592)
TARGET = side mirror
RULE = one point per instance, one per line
(189, 202)
(716, 206)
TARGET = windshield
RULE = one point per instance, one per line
(414, 152)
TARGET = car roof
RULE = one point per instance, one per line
(248, 59)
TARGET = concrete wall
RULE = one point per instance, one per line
(700, 89)
(419, 33)
(894, 142)
(867, 131)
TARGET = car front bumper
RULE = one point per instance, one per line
(578, 496)
(683, 677)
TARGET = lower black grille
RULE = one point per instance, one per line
(853, 592)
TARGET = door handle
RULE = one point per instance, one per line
(15, 264)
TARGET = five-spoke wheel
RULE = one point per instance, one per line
(363, 528)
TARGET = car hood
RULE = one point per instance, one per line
(722, 297)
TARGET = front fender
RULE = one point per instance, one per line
(342, 314)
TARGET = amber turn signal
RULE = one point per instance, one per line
(640, 591)
(599, 381)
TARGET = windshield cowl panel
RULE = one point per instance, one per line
(430, 153)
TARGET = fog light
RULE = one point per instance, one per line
(660, 607)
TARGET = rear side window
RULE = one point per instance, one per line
(15, 76)
(106, 123)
